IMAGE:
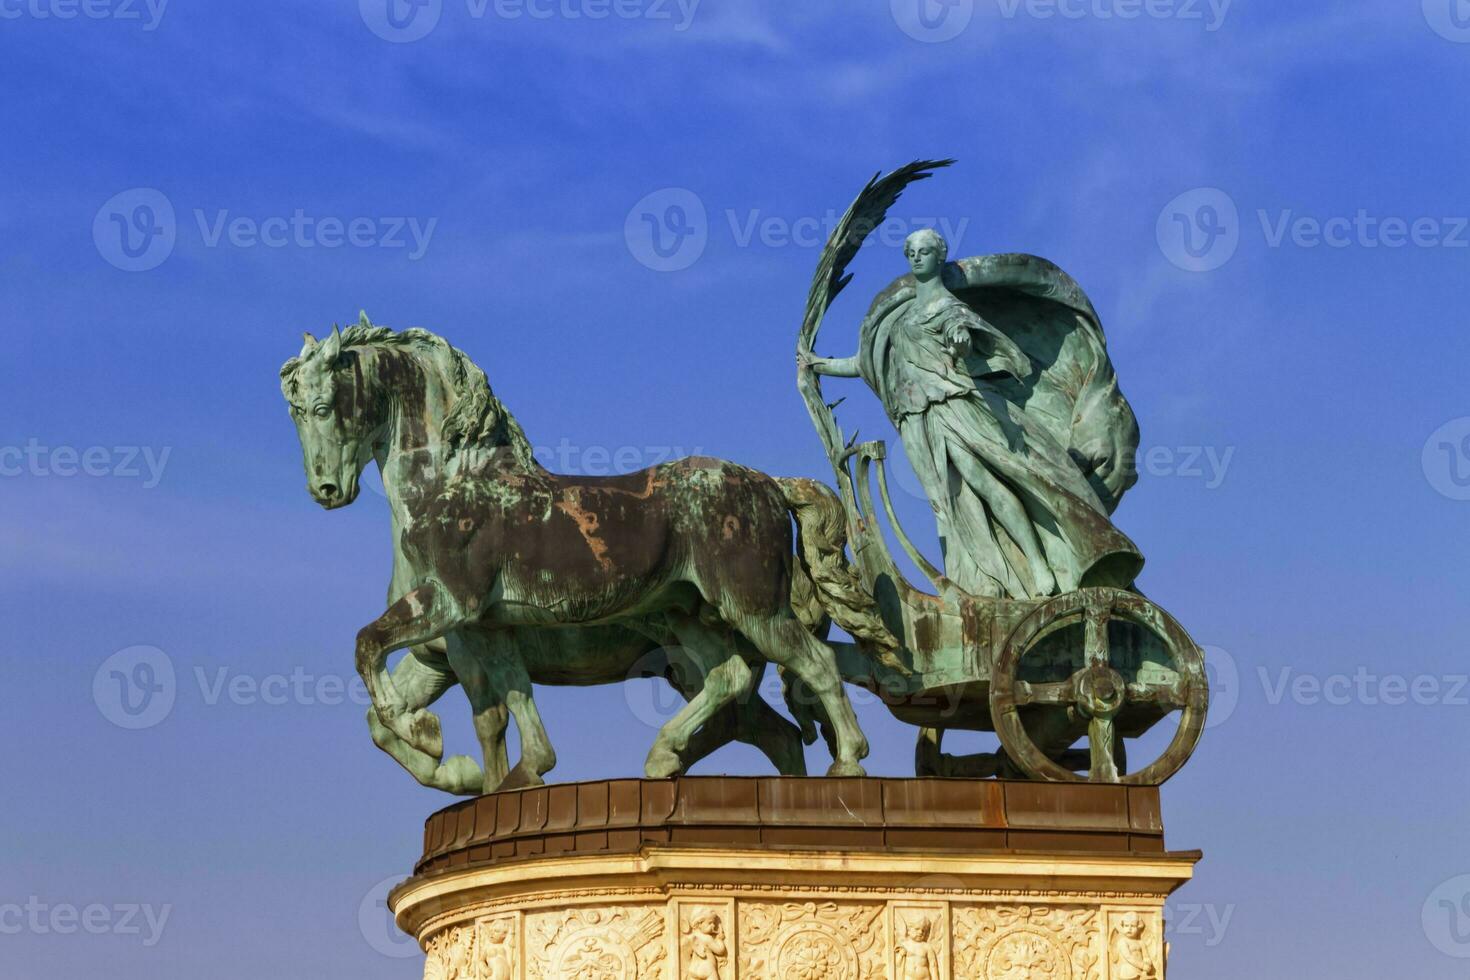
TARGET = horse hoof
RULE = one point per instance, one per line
(425, 734)
(662, 763)
(460, 775)
(846, 769)
(519, 778)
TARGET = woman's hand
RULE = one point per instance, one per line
(957, 342)
(810, 361)
(839, 367)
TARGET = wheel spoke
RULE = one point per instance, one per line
(1170, 696)
(1100, 736)
(1056, 692)
(1095, 649)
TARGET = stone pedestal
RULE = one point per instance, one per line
(719, 878)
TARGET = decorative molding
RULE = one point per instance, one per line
(691, 918)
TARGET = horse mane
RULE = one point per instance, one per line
(477, 420)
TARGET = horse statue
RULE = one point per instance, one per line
(505, 574)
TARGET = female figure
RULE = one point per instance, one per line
(1017, 516)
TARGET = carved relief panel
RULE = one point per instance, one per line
(812, 941)
(607, 943)
(1025, 942)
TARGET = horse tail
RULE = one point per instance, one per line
(821, 542)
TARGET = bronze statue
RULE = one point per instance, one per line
(525, 574)
(995, 372)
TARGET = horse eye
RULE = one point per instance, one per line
(322, 411)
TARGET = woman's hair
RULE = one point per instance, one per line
(928, 235)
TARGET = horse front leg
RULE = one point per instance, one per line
(458, 774)
(421, 682)
(468, 651)
(506, 670)
(426, 613)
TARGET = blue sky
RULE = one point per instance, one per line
(1265, 201)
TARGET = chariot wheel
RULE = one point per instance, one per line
(1098, 692)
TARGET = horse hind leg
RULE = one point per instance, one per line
(783, 640)
(725, 676)
(750, 720)
(763, 727)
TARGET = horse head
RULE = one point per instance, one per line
(336, 424)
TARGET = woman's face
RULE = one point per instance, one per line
(923, 256)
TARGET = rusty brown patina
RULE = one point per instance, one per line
(506, 573)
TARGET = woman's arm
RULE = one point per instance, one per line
(837, 367)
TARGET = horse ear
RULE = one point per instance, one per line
(308, 346)
(362, 319)
(332, 346)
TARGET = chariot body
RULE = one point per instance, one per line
(1097, 661)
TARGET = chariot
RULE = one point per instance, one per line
(1099, 663)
